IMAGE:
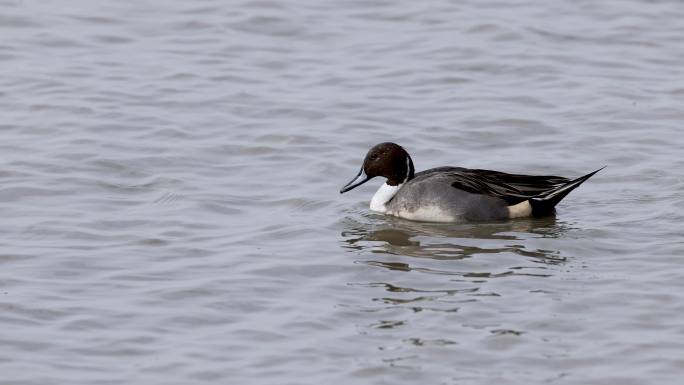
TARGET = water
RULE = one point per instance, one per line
(170, 209)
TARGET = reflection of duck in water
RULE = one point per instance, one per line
(442, 241)
(455, 194)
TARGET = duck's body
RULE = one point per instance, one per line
(454, 194)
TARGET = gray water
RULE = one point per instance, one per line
(169, 177)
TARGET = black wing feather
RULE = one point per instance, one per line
(512, 188)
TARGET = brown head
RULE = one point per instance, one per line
(385, 159)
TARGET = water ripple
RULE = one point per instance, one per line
(170, 192)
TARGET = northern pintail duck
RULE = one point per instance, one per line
(456, 194)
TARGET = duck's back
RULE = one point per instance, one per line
(452, 194)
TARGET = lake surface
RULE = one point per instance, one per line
(169, 183)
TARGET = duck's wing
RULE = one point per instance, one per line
(512, 188)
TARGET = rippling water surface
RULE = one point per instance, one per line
(169, 184)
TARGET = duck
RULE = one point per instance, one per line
(457, 194)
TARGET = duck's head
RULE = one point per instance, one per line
(385, 159)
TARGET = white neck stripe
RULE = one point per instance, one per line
(408, 169)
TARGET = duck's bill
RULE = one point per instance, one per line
(360, 179)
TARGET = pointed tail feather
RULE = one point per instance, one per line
(545, 203)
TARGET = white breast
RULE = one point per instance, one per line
(382, 196)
